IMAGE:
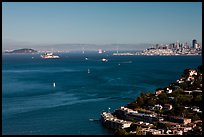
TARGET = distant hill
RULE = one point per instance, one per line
(22, 51)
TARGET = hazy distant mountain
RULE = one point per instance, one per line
(10, 45)
(22, 51)
(94, 47)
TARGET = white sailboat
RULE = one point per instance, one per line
(83, 50)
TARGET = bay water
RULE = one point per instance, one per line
(32, 105)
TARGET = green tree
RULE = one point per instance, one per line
(178, 110)
(151, 102)
(163, 98)
(139, 130)
(121, 132)
(197, 98)
(142, 94)
(195, 117)
(140, 101)
(186, 73)
(177, 92)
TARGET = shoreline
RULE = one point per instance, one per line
(162, 113)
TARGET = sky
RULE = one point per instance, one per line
(42, 24)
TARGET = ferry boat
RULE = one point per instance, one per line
(49, 55)
(100, 51)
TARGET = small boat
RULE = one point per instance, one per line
(104, 60)
(89, 71)
(94, 119)
(54, 84)
(86, 59)
(100, 51)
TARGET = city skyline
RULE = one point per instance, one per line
(40, 25)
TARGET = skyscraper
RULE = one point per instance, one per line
(194, 42)
(187, 45)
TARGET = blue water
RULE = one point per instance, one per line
(31, 105)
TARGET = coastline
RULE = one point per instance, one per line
(162, 113)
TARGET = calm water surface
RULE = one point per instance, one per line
(31, 105)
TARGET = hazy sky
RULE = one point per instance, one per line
(100, 23)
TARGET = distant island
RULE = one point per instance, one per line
(25, 50)
(172, 110)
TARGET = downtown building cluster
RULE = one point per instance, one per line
(177, 48)
(172, 49)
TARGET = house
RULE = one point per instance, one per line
(169, 132)
(157, 107)
(187, 92)
(158, 92)
(167, 107)
(172, 98)
(196, 109)
(141, 124)
(168, 90)
(127, 110)
(192, 72)
(177, 132)
(192, 125)
(197, 91)
(179, 81)
(147, 131)
(190, 78)
(185, 129)
(198, 121)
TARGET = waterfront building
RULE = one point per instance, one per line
(143, 117)
(113, 122)
(141, 124)
(178, 119)
(147, 131)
